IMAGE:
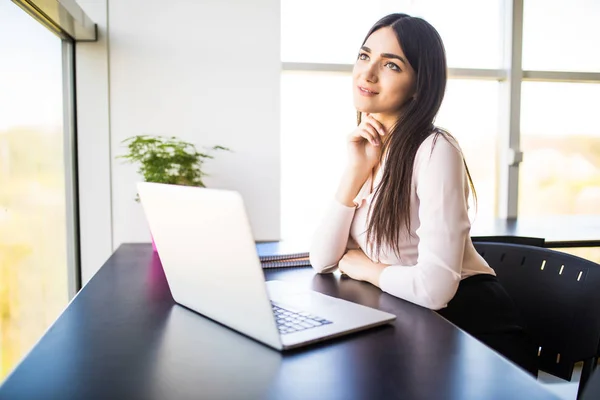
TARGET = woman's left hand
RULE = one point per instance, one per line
(357, 265)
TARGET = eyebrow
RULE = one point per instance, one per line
(386, 55)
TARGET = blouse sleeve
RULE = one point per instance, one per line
(444, 226)
(331, 238)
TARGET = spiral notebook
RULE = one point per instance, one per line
(274, 251)
(295, 262)
(282, 254)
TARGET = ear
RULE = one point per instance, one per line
(414, 91)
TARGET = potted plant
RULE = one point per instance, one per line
(167, 160)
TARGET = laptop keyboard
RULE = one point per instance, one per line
(289, 321)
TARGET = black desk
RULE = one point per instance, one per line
(558, 230)
(122, 337)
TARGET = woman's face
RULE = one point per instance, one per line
(382, 77)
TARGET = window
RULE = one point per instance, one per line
(33, 204)
(560, 138)
(561, 35)
(470, 113)
(316, 116)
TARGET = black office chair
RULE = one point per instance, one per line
(592, 388)
(558, 296)
(527, 241)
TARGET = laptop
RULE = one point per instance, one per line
(205, 244)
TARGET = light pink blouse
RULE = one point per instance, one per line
(440, 252)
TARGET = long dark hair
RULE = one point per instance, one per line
(424, 49)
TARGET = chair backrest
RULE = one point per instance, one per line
(558, 296)
(528, 241)
(592, 388)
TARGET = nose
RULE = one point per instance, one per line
(370, 73)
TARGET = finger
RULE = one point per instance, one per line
(376, 124)
(365, 132)
(359, 135)
(370, 136)
(371, 123)
(373, 133)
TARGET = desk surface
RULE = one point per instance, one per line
(122, 337)
(558, 230)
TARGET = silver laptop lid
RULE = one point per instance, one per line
(206, 247)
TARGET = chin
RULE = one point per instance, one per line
(370, 110)
(366, 105)
(366, 108)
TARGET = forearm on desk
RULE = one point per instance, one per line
(330, 241)
(357, 265)
(331, 238)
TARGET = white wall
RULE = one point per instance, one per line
(205, 71)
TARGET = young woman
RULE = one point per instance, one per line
(399, 219)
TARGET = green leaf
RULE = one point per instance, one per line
(167, 160)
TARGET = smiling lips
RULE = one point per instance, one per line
(366, 92)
